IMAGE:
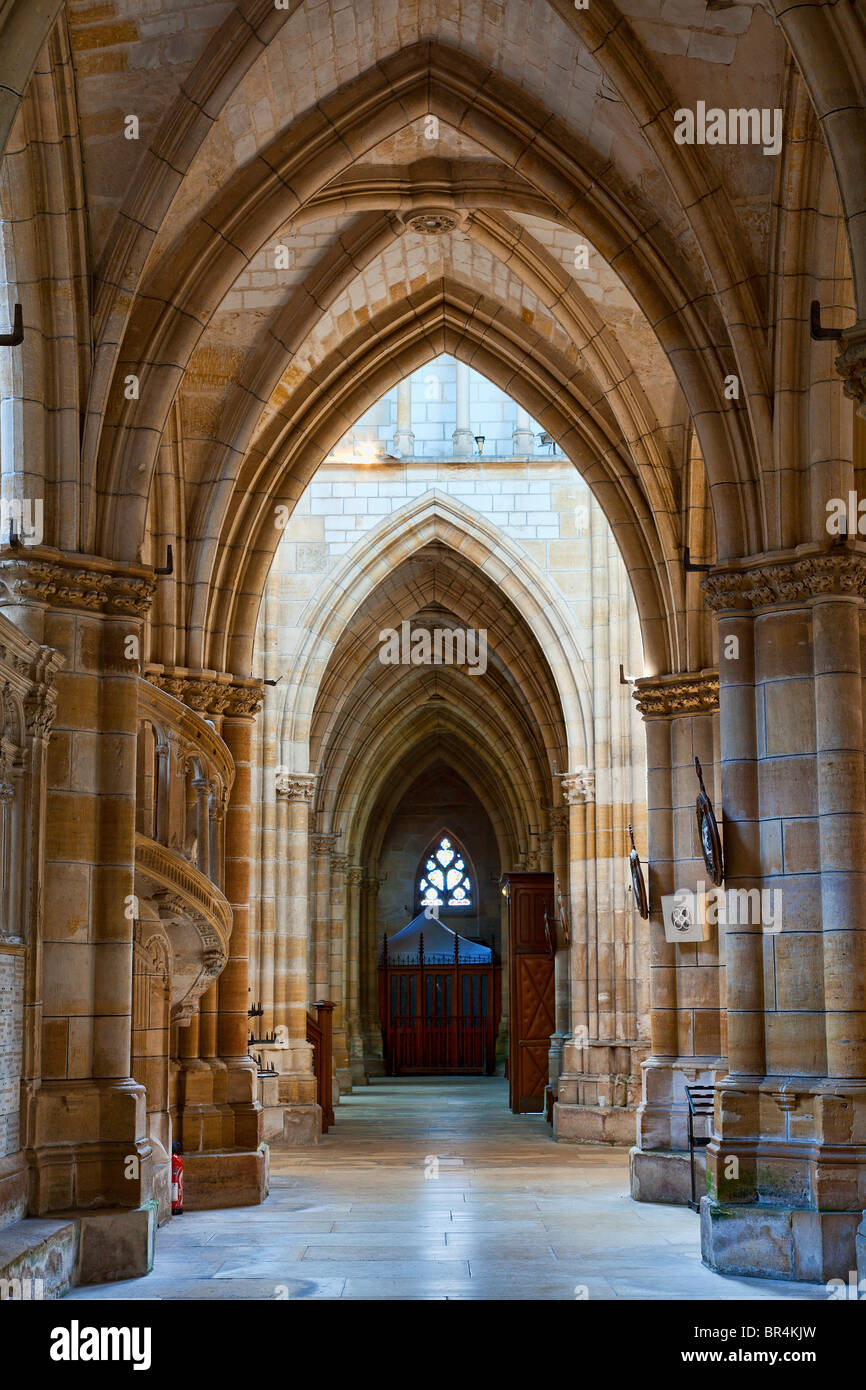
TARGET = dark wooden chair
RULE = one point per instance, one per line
(320, 1034)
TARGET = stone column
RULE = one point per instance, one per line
(88, 1141)
(203, 830)
(234, 993)
(354, 879)
(302, 1116)
(371, 1032)
(404, 439)
(687, 995)
(463, 438)
(322, 847)
(339, 888)
(522, 437)
(786, 1168)
(593, 1063)
(554, 858)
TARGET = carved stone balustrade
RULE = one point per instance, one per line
(196, 918)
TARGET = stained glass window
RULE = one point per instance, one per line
(444, 877)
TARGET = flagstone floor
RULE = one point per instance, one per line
(431, 1189)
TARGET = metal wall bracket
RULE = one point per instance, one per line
(689, 567)
(16, 337)
(818, 333)
(168, 567)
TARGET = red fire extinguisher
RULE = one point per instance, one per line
(176, 1180)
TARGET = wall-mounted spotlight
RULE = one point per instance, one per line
(479, 440)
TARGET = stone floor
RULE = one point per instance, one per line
(510, 1215)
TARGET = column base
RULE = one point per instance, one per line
(234, 1178)
(594, 1124)
(664, 1175)
(70, 1170)
(301, 1127)
(116, 1244)
(462, 444)
(344, 1081)
(663, 1114)
(204, 1118)
(766, 1242)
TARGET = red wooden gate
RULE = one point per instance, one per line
(437, 1014)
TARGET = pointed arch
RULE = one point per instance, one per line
(434, 516)
(443, 318)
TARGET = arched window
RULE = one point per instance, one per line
(444, 879)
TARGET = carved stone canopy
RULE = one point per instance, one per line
(28, 673)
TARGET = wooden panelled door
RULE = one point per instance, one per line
(531, 989)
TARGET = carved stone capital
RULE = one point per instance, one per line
(793, 577)
(578, 786)
(339, 863)
(355, 874)
(666, 697)
(209, 692)
(295, 786)
(245, 699)
(45, 575)
(324, 842)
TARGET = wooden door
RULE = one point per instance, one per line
(531, 1006)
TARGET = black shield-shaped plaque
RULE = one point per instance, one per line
(637, 879)
(708, 832)
(563, 915)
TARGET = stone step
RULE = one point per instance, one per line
(38, 1258)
